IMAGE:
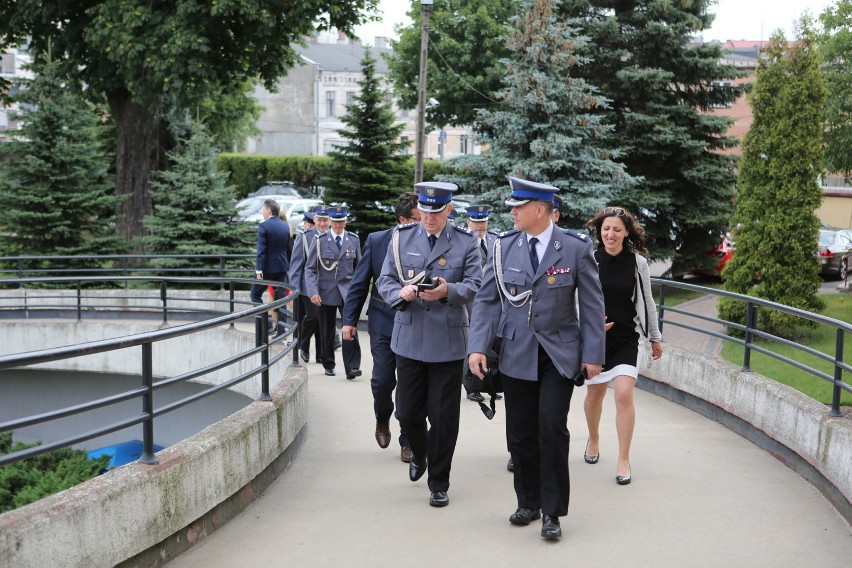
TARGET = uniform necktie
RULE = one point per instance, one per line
(432, 240)
(337, 240)
(534, 254)
(484, 248)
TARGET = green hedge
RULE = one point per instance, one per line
(249, 172)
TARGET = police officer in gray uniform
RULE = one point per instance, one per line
(431, 274)
(328, 273)
(528, 300)
(308, 313)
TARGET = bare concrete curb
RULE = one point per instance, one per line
(783, 414)
(163, 509)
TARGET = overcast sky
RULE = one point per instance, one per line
(735, 19)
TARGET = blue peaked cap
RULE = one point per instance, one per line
(478, 212)
(433, 196)
(524, 191)
(338, 212)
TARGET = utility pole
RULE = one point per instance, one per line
(425, 11)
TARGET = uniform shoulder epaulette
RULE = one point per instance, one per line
(576, 235)
(495, 233)
(407, 226)
(508, 233)
(464, 230)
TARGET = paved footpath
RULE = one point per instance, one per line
(701, 496)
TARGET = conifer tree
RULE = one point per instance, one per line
(545, 129)
(778, 190)
(194, 210)
(56, 195)
(370, 168)
(641, 56)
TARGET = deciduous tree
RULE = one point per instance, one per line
(835, 51)
(140, 54)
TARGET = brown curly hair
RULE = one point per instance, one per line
(635, 239)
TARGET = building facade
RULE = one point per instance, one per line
(303, 118)
(12, 68)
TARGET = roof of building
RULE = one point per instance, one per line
(342, 56)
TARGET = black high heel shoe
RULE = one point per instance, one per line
(624, 479)
(591, 459)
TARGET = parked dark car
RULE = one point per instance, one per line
(835, 248)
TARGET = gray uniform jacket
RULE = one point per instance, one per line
(328, 271)
(433, 331)
(303, 243)
(490, 237)
(549, 316)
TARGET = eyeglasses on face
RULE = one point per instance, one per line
(617, 211)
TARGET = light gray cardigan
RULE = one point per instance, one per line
(644, 302)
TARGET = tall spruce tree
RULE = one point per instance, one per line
(56, 196)
(194, 210)
(778, 190)
(369, 171)
(660, 86)
(546, 129)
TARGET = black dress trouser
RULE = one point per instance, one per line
(538, 438)
(430, 390)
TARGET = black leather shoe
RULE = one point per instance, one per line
(550, 528)
(475, 397)
(439, 499)
(353, 373)
(405, 454)
(329, 372)
(415, 470)
(524, 516)
(510, 465)
(498, 396)
(304, 356)
(624, 479)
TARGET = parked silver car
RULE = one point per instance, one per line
(835, 248)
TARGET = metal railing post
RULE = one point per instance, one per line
(222, 273)
(297, 333)
(163, 298)
(661, 307)
(261, 331)
(148, 406)
(231, 326)
(751, 322)
(838, 375)
(79, 301)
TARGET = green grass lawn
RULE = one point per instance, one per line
(822, 339)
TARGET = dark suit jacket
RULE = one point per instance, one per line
(381, 315)
(273, 243)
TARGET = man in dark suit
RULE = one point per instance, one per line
(528, 300)
(433, 270)
(379, 322)
(328, 273)
(273, 244)
(308, 313)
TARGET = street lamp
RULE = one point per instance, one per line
(425, 11)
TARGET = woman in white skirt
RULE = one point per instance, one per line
(630, 311)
